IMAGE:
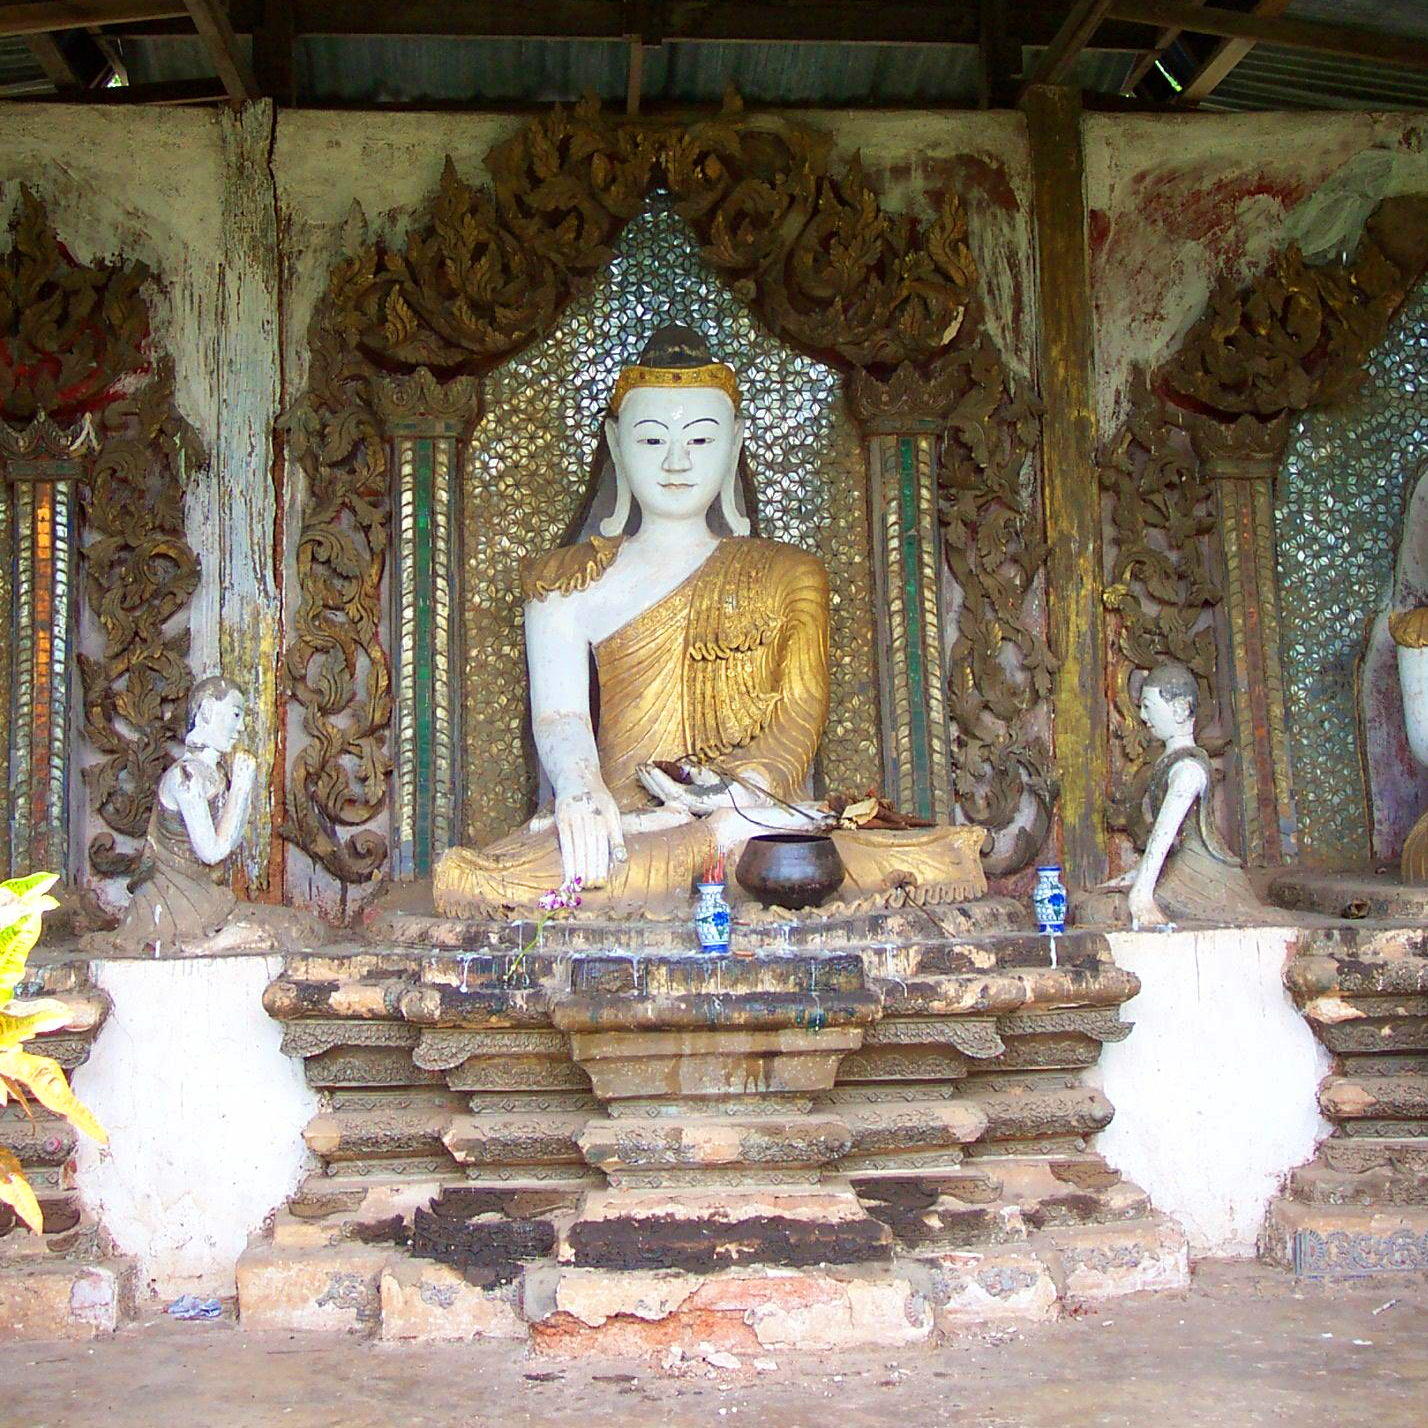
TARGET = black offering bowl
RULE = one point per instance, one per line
(791, 870)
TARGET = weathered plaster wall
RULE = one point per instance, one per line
(1177, 202)
(1215, 1088)
(204, 1114)
(912, 159)
(187, 192)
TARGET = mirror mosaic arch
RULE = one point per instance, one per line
(778, 231)
(1340, 500)
(528, 468)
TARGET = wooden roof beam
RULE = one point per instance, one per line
(211, 21)
(999, 58)
(1057, 59)
(171, 91)
(275, 51)
(889, 22)
(52, 59)
(1224, 57)
(1154, 55)
(1349, 41)
(40, 19)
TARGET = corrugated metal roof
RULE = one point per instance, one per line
(1392, 17)
(1271, 78)
(413, 70)
(494, 72)
(20, 71)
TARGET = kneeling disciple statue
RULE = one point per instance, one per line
(198, 820)
(1185, 872)
(710, 652)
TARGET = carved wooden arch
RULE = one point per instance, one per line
(811, 250)
(1221, 406)
(75, 341)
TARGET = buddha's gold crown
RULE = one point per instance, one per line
(711, 374)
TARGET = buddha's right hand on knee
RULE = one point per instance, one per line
(587, 825)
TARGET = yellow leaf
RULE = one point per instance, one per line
(857, 814)
(22, 1020)
(46, 1079)
(22, 900)
(37, 883)
(15, 1191)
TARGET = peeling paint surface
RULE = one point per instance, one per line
(1179, 202)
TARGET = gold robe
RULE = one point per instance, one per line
(729, 668)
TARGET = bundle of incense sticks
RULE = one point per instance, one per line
(713, 869)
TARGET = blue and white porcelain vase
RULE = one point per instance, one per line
(711, 919)
(1048, 897)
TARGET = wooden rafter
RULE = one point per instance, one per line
(1224, 57)
(1350, 41)
(211, 21)
(82, 14)
(53, 60)
(169, 91)
(1153, 56)
(275, 51)
(1074, 35)
(999, 57)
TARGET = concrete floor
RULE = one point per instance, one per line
(1245, 1346)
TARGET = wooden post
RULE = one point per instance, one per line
(1071, 491)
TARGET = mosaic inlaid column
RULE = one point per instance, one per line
(907, 562)
(41, 467)
(1242, 463)
(426, 422)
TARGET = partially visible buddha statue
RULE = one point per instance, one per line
(711, 652)
(1409, 629)
(1185, 872)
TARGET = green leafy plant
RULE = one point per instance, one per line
(23, 903)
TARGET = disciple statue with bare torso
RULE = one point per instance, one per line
(710, 652)
(1185, 872)
(198, 820)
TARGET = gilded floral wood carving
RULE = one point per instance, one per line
(810, 249)
(1001, 665)
(1296, 337)
(76, 340)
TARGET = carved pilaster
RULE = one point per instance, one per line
(40, 466)
(1241, 462)
(425, 421)
(901, 419)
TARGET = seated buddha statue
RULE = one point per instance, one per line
(710, 653)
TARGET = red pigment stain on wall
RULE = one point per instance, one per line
(1188, 205)
(1098, 229)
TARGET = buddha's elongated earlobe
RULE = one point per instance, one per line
(614, 524)
(734, 518)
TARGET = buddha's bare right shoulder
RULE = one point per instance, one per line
(570, 568)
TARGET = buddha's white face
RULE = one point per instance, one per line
(1164, 717)
(675, 447)
(218, 723)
